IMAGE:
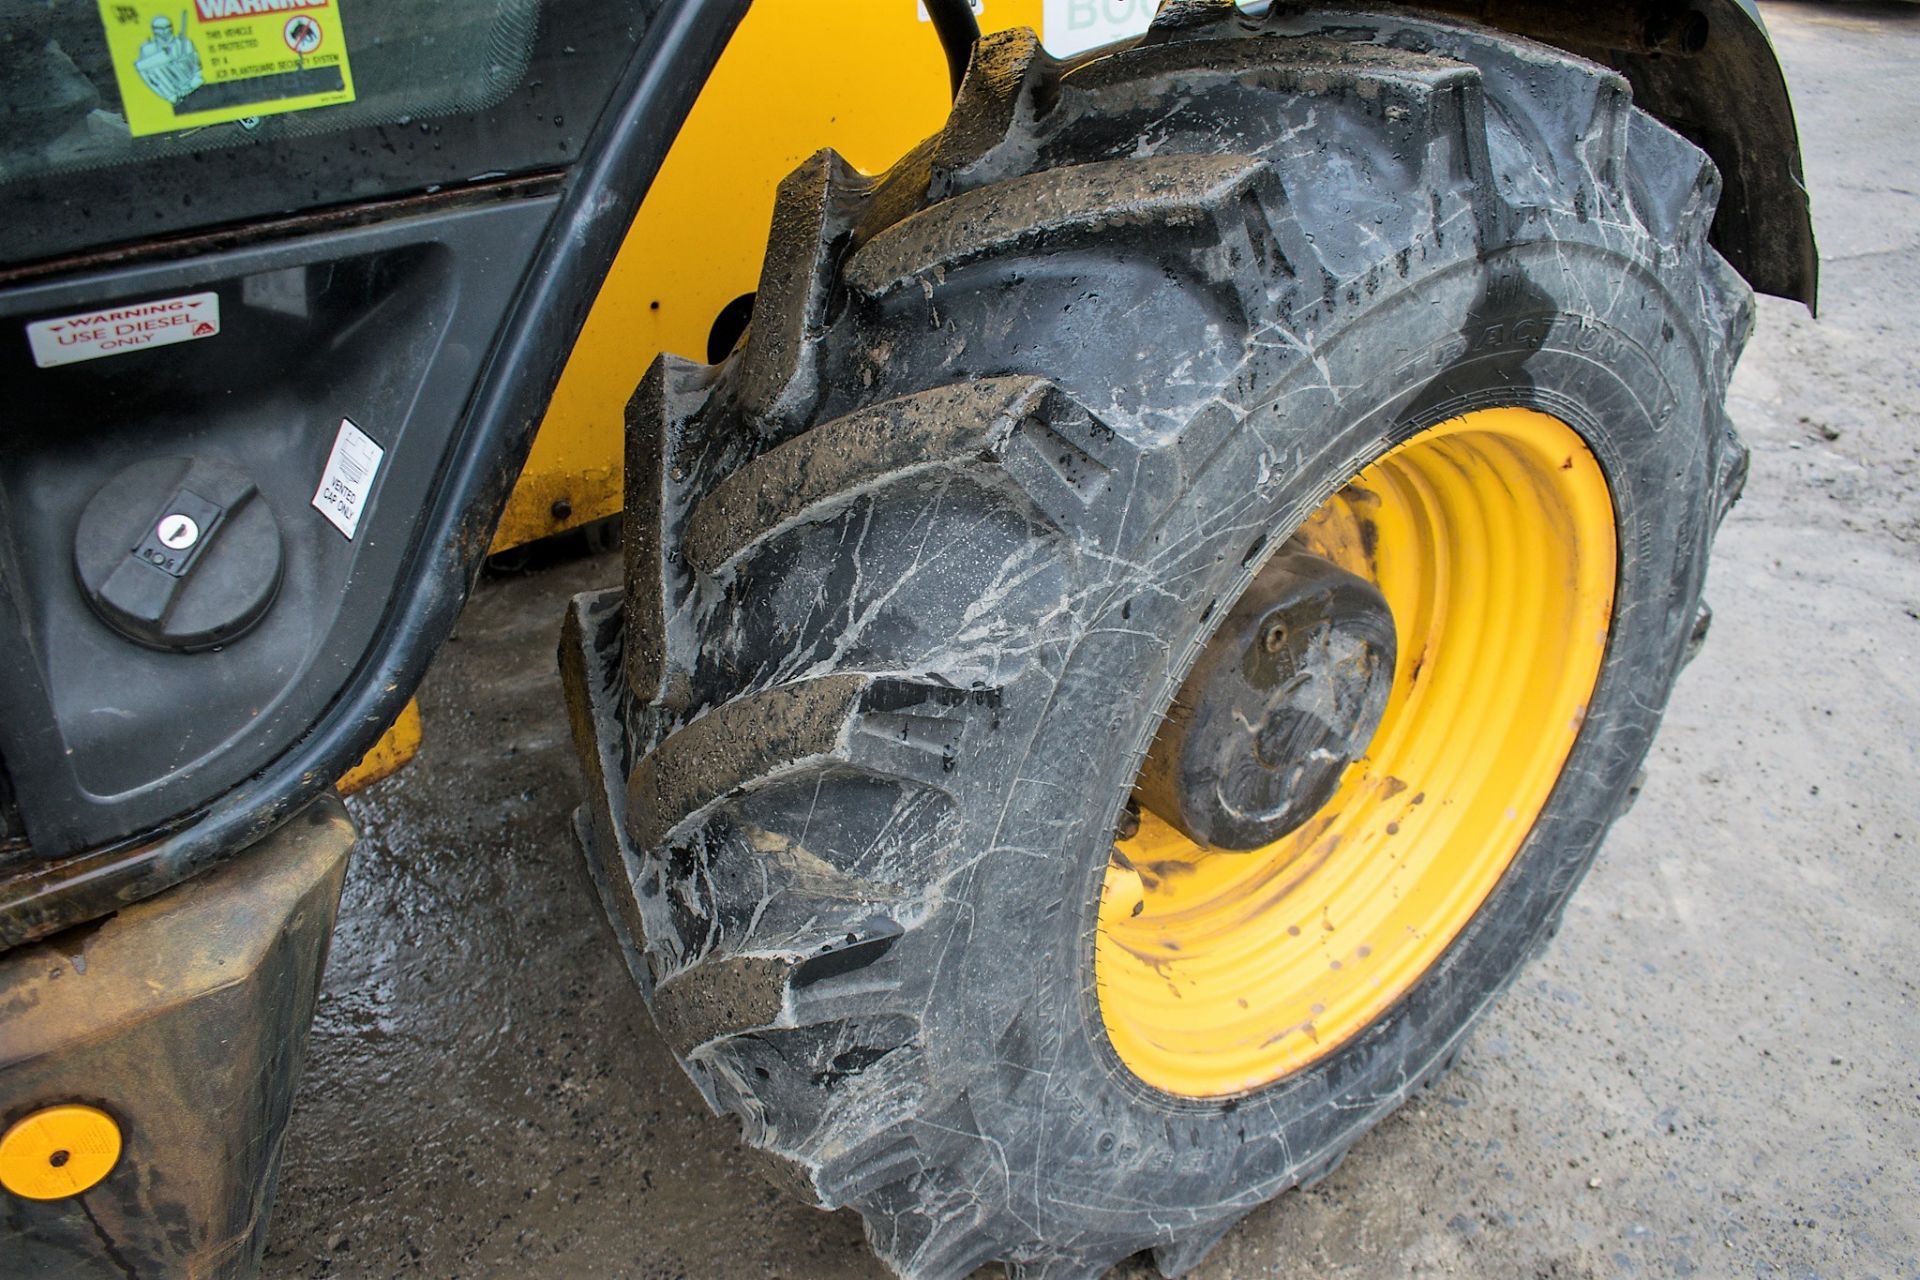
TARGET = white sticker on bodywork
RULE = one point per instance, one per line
(1068, 27)
(979, 8)
(113, 331)
(348, 479)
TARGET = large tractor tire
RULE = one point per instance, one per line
(1137, 646)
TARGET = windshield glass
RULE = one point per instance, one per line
(97, 82)
(126, 118)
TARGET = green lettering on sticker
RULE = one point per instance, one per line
(1073, 26)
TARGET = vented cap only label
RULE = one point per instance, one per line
(348, 479)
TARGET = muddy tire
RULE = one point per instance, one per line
(913, 576)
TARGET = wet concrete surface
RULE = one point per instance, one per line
(1712, 1071)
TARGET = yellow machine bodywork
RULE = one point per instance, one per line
(865, 77)
(397, 745)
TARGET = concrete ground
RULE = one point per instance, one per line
(1715, 1069)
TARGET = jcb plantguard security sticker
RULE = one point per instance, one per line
(187, 63)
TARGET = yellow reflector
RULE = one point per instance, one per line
(1492, 538)
(58, 1152)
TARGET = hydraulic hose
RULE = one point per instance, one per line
(959, 31)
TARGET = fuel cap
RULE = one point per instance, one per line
(178, 553)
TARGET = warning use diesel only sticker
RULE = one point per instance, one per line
(183, 64)
(110, 331)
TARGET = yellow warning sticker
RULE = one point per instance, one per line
(183, 64)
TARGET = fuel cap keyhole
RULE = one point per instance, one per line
(178, 532)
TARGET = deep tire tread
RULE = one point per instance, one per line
(813, 223)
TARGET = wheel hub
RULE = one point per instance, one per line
(1285, 697)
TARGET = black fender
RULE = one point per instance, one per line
(1707, 70)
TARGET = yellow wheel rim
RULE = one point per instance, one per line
(1491, 537)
